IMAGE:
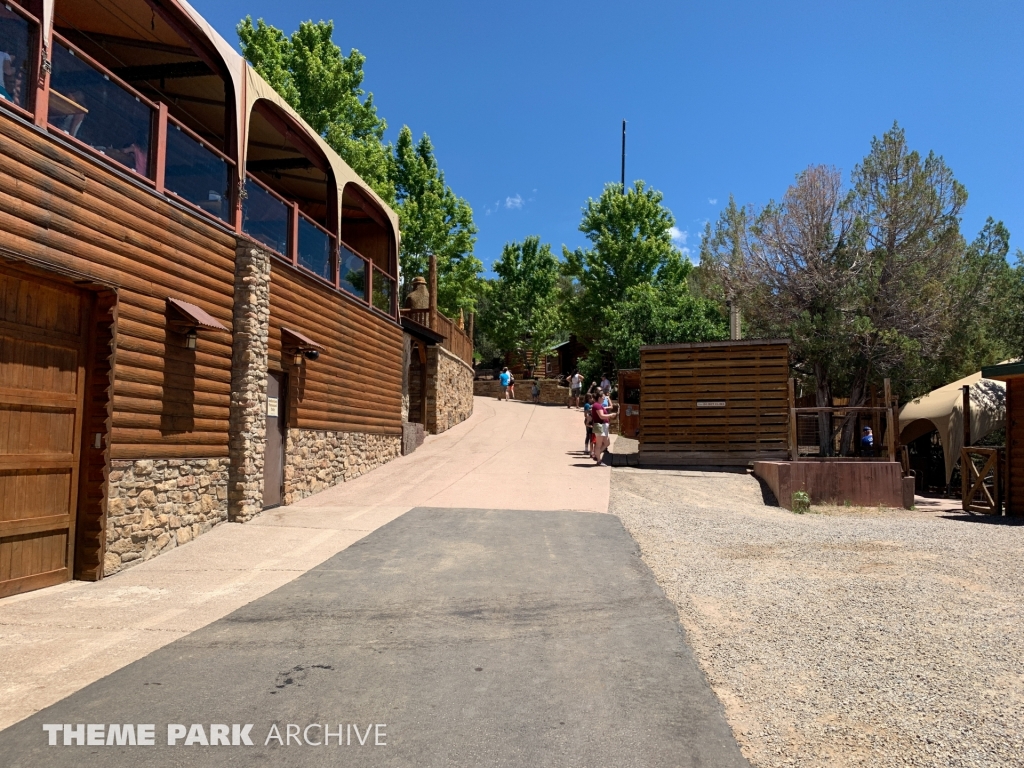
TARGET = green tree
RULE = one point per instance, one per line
(631, 244)
(873, 283)
(435, 221)
(660, 314)
(324, 87)
(522, 314)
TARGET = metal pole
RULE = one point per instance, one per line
(623, 157)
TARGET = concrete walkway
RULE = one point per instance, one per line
(56, 641)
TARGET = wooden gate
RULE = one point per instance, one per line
(43, 350)
(982, 488)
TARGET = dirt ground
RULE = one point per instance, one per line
(844, 637)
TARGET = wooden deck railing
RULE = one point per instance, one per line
(456, 340)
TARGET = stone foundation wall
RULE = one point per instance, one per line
(550, 392)
(449, 392)
(155, 505)
(316, 459)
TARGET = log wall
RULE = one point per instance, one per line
(1015, 446)
(356, 384)
(60, 209)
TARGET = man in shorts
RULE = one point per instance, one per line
(575, 390)
(504, 378)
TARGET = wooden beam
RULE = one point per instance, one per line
(177, 70)
(794, 444)
(967, 414)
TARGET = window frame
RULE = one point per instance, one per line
(156, 149)
(165, 122)
(32, 90)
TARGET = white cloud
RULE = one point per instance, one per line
(514, 202)
(712, 201)
(678, 235)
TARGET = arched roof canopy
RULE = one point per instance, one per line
(166, 51)
(366, 228)
(350, 190)
(281, 154)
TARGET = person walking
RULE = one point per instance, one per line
(575, 389)
(511, 385)
(535, 392)
(504, 378)
(606, 385)
(601, 417)
(588, 423)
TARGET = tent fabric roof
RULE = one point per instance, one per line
(942, 410)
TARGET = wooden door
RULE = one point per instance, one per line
(43, 345)
(273, 457)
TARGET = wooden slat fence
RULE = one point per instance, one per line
(717, 403)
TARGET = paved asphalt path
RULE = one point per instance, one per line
(479, 637)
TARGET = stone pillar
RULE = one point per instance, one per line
(248, 419)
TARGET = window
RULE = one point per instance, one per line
(353, 273)
(16, 45)
(383, 292)
(197, 174)
(315, 249)
(265, 217)
(87, 104)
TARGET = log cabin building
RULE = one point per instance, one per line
(198, 310)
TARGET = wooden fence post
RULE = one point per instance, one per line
(967, 414)
(433, 292)
(891, 424)
(794, 446)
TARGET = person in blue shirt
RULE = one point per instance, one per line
(505, 378)
(867, 443)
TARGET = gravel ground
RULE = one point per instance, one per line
(855, 637)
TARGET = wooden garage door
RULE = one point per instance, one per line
(42, 383)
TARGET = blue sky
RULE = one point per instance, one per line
(524, 102)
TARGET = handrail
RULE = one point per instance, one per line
(265, 188)
(318, 226)
(17, 10)
(455, 339)
(200, 140)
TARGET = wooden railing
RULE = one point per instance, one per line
(456, 340)
(982, 488)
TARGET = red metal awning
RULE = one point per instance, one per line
(304, 342)
(196, 315)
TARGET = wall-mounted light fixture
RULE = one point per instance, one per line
(300, 346)
(188, 319)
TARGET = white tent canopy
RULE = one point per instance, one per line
(943, 410)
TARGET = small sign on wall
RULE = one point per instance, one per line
(271, 406)
(711, 403)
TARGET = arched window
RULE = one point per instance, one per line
(138, 84)
(290, 202)
(367, 234)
